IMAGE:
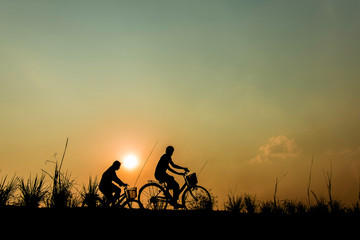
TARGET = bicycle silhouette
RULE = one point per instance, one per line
(127, 200)
(155, 196)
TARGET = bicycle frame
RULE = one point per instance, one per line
(184, 186)
(156, 195)
(181, 190)
(122, 198)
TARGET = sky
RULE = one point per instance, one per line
(254, 89)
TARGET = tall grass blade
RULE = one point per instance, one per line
(309, 183)
(63, 156)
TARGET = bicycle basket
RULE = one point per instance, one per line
(131, 193)
(191, 179)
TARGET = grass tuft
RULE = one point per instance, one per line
(90, 194)
(32, 191)
(7, 190)
(234, 202)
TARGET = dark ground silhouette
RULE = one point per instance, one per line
(83, 223)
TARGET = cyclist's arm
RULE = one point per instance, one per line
(117, 180)
(173, 171)
(177, 167)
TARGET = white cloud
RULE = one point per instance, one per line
(279, 147)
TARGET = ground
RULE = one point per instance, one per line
(83, 222)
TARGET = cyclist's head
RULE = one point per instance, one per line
(170, 150)
(116, 165)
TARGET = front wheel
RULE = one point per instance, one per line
(132, 204)
(197, 198)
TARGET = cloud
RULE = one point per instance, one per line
(344, 153)
(279, 147)
(349, 156)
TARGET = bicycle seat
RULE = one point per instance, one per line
(163, 184)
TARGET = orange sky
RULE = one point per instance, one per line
(256, 88)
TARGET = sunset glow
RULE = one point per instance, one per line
(130, 161)
(255, 88)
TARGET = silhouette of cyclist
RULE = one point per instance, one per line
(106, 186)
(165, 163)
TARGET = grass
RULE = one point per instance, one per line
(277, 182)
(234, 203)
(33, 191)
(90, 194)
(246, 203)
(250, 203)
(309, 183)
(7, 190)
(62, 193)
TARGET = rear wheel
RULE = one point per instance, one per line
(197, 198)
(152, 196)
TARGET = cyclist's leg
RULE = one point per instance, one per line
(117, 191)
(172, 184)
(107, 191)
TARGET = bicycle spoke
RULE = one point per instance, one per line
(197, 198)
(132, 204)
(152, 197)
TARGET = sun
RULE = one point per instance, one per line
(130, 161)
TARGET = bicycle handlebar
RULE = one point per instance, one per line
(186, 173)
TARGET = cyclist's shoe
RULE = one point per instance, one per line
(176, 205)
